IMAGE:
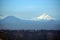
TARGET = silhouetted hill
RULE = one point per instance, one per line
(14, 23)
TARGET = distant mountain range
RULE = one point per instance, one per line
(13, 23)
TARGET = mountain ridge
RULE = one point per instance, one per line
(14, 23)
(43, 17)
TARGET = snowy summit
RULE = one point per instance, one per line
(43, 17)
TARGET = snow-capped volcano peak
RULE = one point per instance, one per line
(44, 17)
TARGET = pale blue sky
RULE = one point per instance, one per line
(30, 8)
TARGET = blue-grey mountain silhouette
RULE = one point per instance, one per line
(13, 23)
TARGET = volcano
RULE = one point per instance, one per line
(44, 16)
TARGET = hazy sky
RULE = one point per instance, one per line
(30, 8)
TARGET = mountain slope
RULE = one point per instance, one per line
(43, 17)
(13, 23)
